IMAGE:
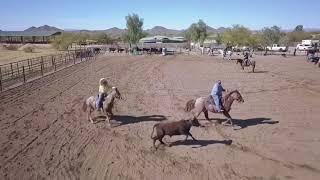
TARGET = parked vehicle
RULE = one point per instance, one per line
(276, 47)
(304, 47)
(310, 42)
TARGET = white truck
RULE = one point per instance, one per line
(310, 42)
(308, 45)
(277, 47)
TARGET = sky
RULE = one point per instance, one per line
(173, 14)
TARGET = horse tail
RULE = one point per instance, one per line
(153, 130)
(84, 106)
(190, 105)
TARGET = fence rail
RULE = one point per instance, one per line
(19, 72)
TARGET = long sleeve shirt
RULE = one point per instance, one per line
(217, 89)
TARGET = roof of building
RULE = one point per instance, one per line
(29, 33)
(160, 38)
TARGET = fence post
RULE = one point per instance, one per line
(80, 55)
(0, 79)
(29, 64)
(11, 69)
(41, 66)
(24, 74)
(18, 69)
(52, 61)
(69, 56)
(74, 57)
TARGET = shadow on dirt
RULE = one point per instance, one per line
(256, 72)
(119, 120)
(243, 123)
(123, 120)
(200, 143)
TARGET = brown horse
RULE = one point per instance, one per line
(249, 63)
(203, 104)
(107, 105)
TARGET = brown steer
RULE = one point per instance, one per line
(181, 127)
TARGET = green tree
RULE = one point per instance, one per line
(299, 28)
(202, 28)
(102, 38)
(192, 33)
(285, 40)
(237, 36)
(197, 32)
(63, 41)
(271, 35)
(297, 35)
(134, 29)
(218, 38)
(255, 40)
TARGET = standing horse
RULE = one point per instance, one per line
(204, 104)
(249, 63)
(107, 105)
(227, 55)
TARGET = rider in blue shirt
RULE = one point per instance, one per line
(216, 93)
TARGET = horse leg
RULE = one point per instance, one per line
(160, 139)
(206, 114)
(186, 137)
(89, 115)
(192, 136)
(154, 143)
(108, 118)
(229, 119)
(196, 114)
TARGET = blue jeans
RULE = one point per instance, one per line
(100, 99)
(217, 101)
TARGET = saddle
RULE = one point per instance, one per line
(210, 100)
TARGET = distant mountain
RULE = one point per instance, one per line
(312, 29)
(117, 32)
(42, 28)
(159, 30)
(114, 31)
(219, 30)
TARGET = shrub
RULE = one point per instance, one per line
(28, 49)
(11, 47)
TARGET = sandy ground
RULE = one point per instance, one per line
(8, 56)
(45, 135)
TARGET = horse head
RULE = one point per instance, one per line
(116, 93)
(237, 96)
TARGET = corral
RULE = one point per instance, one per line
(45, 135)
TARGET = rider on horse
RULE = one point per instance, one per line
(246, 55)
(216, 93)
(103, 90)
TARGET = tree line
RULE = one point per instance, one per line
(237, 35)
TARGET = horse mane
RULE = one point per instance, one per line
(229, 94)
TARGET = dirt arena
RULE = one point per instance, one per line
(45, 134)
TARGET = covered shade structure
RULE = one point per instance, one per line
(28, 36)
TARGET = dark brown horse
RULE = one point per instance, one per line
(107, 104)
(203, 104)
(249, 63)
